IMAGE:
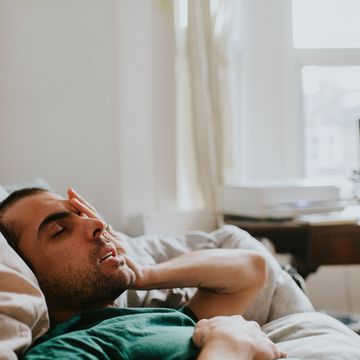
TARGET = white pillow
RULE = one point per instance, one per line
(3, 193)
(23, 311)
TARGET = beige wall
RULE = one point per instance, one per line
(86, 99)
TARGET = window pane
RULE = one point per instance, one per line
(326, 23)
(331, 112)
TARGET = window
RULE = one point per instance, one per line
(331, 113)
(326, 38)
(297, 77)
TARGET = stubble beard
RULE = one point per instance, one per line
(79, 288)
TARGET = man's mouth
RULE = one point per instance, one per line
(106, 257)
(111, 254)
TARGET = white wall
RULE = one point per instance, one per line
(270, 135)
(86, 99)
(146, 106)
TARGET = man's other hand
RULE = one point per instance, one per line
(232, 337)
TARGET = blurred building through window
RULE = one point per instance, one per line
(326, 37)
(331, 100)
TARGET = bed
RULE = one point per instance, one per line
(281, 308)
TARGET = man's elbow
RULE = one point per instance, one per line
(260, 269)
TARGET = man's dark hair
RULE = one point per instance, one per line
(10, 231)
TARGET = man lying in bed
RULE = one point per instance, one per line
(82, 269)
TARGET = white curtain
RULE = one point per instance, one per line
(206, 117)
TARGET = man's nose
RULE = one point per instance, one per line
(95, 228)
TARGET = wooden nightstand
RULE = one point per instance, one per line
(310, 246)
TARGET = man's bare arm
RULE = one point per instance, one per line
(224, 271)
(227, 280)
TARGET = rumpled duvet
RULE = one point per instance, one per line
(281, 308)
(314, 336)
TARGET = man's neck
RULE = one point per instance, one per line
(61, 313)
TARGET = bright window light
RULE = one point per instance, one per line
(331, 113)
(326, 23)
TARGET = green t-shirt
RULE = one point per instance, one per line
(120, 333)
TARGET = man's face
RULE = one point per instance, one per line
(73, 257)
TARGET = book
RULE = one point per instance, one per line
(330, 218)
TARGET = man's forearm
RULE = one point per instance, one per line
(220, 270)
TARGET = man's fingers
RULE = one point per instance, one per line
(82, 208)
(277, 353)
(199, 333)
(116, 242)
(73, 194)
(238, 334)
(282, 354)
(80, 204)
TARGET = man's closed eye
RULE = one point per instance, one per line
(58, 231)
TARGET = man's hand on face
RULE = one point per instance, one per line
(85, 209)
(80, 204)
(232, 337)
(141, 273)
